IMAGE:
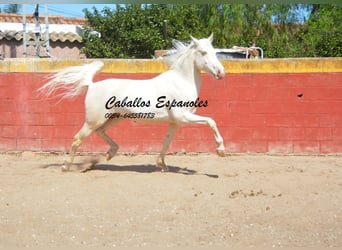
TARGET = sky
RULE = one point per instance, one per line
(75, 10)
(68, 10)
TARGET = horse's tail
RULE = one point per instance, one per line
(72, 81)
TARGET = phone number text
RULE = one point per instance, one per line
(139, 115)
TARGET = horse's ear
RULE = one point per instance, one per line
(211, 37)
(196, 42)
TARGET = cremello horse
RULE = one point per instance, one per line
(170, 97)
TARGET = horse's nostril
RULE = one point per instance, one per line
(220, 74)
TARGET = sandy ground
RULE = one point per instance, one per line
(205, 200)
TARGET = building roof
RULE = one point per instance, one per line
(55, 19)
(54, 22)
(54, 36)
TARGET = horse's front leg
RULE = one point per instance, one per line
(171, 131)
(197, 119)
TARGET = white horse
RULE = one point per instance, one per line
(170, 97)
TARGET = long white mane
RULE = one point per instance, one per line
(177, 53)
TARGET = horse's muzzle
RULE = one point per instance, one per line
(220, 74)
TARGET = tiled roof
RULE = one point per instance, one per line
(54, 36)
(18, 18)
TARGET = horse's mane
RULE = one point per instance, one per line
(183, 50)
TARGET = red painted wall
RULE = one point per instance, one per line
(254, 113)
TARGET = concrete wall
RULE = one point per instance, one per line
(276, 106)
(63, 50)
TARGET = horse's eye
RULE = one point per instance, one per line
(204, 53)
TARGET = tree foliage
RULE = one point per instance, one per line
(282, 30)
(323, 34)
(11, 8)
(136, 31)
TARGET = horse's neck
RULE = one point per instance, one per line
(190, 72)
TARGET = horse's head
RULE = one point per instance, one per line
(205, 57)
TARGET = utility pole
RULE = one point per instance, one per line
(38, 40)
(37, 30)
(24, 31)
(47, 37)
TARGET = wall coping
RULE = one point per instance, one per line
(154, 66)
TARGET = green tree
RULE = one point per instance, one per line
(136, 31)
(323, 34)
(12, 8)
(272, 26)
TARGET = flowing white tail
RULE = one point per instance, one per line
(72, 80)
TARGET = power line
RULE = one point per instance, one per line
(59, 11)
(67, 12)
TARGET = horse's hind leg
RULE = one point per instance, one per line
(171, 131)
(82, 134)
(113, 147)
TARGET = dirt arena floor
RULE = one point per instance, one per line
(205, 200)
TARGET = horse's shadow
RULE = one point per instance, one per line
(141, 168)
(148, 169)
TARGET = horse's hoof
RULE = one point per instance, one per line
(108, 156)
(162, 166)
(164, 169)
(88, 165)
(220, 152)
(65, 167)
